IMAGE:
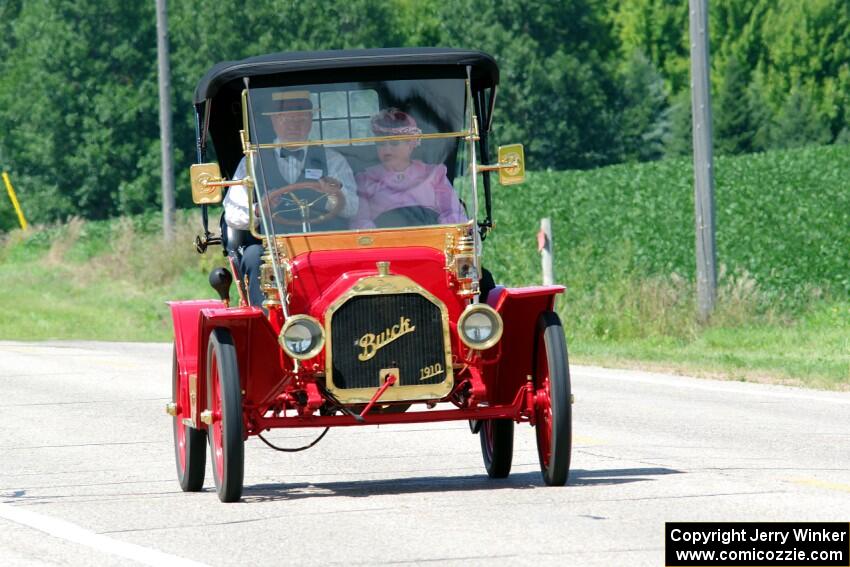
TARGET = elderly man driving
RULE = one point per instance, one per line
(291, 116)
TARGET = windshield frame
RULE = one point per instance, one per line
(251, 151)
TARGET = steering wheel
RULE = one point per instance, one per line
(305, 201)
(407, 216)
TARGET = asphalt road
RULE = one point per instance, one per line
(87, 474)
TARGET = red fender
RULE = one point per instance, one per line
(259, 356)
(185, 315)
(520, 309)
(257, 351)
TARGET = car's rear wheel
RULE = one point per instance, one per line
(189, 443)
(224, 399)
(497, 446)
(552, 405)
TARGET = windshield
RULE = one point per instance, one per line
(360, 155)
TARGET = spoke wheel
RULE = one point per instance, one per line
(224, 400)
(497, 446)
(189, 451)
(552, 405)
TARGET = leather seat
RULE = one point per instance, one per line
(232, 239)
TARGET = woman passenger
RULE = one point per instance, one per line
(400, 191)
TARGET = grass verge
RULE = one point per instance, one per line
(623, 247)
(99, 281)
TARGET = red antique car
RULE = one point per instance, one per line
(373, 305)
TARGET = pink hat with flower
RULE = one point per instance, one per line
(394, 122)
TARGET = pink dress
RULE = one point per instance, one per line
(420, 185)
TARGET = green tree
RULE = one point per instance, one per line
(657, 28)
(417, 22)
(808, 47)
(736, 115)
(736, 28)
(78, 101)
(78, 104)
(645, 121)
(9, 11)
(557, 93)
(680, 141)
(207, 32)
(799, 123)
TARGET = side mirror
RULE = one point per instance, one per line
(206, 183)
(512, 164)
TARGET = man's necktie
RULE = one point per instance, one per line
(297, 154)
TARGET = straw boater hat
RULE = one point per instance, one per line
(394, 122)
(290, 101)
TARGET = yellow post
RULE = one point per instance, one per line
(14, 200)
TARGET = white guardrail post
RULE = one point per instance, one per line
(544, 246)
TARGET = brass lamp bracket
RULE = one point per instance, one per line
(502, 165)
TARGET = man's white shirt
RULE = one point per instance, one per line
(236, 200)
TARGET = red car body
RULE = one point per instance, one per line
(233, 380)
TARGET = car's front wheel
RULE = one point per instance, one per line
(224, 399)
(552, 404)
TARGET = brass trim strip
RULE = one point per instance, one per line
(342, 141)
(432, 236)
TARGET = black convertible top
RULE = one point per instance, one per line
(485, 72)
(218, 94)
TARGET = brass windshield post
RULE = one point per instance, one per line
(473, 170)
(263, 204)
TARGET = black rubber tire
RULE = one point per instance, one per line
(221, 352)
(497, 446)
(550, 336)
(191, 475)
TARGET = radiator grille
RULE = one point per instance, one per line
(407, 332)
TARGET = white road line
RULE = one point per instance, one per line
(71, 532)
(708, 385)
